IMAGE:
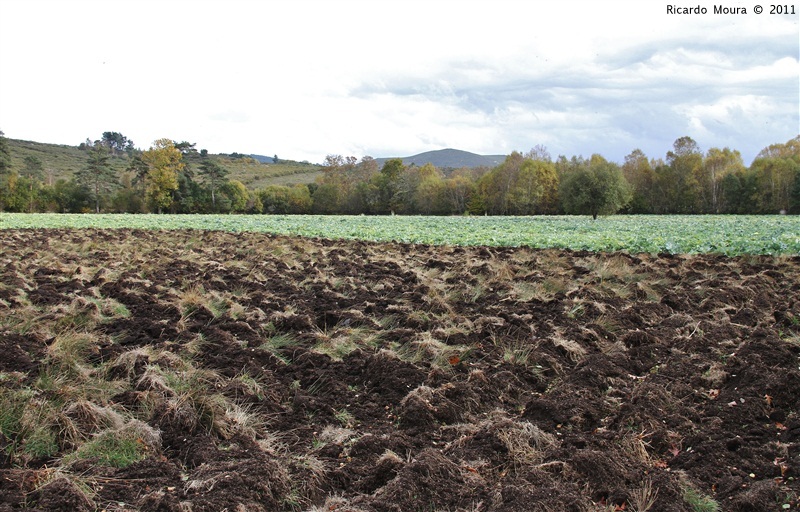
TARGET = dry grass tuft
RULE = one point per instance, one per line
(336, 435)
(526, 443)
(643, 497)
(92, 418)
(574, 350)
(426, 348)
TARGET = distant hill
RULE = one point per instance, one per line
(449, 159)
(264, 159)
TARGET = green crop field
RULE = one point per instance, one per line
(730, 235)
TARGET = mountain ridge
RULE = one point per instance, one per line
(449, 158)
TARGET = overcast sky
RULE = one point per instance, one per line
(304, 78)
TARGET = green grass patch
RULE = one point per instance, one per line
(699, 501)
(110, 449)
(119, 447)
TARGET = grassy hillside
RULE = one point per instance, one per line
(58, 161)
(62, 161)
(255, 174)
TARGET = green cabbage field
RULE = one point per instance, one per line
(723, 234)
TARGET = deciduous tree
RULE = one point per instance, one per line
(388, 184)
(520, 186)
(237, 195)
(677, 182)
(535, 189)
(495, 186)
(598, 188)
(164, 163)
(777, 169)
(458, 191)
(326, 199)
(639, 173)
(716, 165)
(775, 178)
(429, 196)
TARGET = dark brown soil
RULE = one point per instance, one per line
(393, 377)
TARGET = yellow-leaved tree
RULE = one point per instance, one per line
(165, 162)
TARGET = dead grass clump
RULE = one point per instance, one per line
(502, 270)
(338, 344)
(193, 411)
(308, 474)
(190, 301)
(68, 351)
(542, 290)
(421, 480)
(716, 375)
(60, 490)
(187, 398)
(336, 435)
(244, 385)
(91, 418)
(79, 315)
(272, 443)
(635, 446)
(612, 349)
(650, 290)
(426, 406)
(643, 497)
(154, 378)
(203, 411)
(256, 484)
(426, 348)
(129, 364)
(573, 349)
(516, 350)
(337, 503)
(615, 267)
(615, 289)
(240, 419)
(389, 456)
(526, 443)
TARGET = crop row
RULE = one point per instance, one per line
(729, 235)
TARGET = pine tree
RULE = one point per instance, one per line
(97, 177)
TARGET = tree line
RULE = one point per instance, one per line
(174, 177)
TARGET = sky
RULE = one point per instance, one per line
(303, 79)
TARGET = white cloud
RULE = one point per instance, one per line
(306, 78)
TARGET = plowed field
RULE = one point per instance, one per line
(209, 371)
